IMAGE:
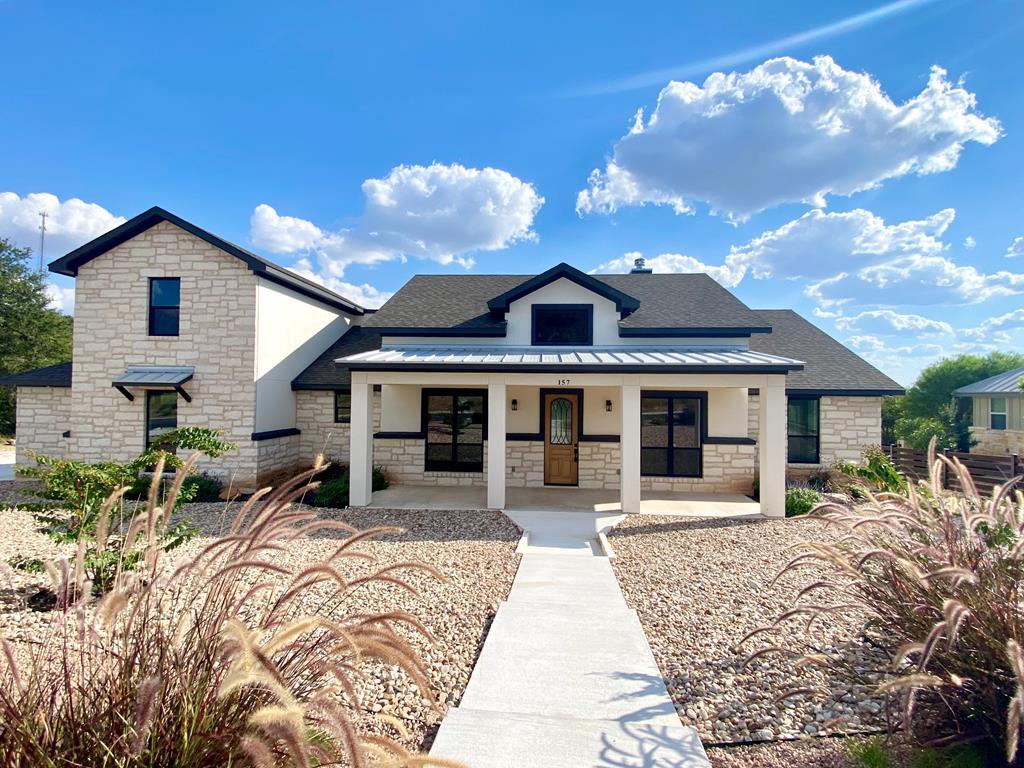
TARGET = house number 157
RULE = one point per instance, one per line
(563, 382)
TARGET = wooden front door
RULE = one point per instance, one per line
(561, 439)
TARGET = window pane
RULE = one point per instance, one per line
(438, 452)
(563, 325)
(803, 416)
(998, 405)
(342, 407)
(165, 292)
(686, 462)
(803, 450)
(161, 415)
(998, 421)
(471, 419)
(439, 419)
(469, 454)
(654, 422)
(561, 421)
(653, 461)
(685, 424)
(163, 321)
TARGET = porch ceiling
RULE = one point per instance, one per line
(592, 359)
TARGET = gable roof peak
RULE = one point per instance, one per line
(624, 303)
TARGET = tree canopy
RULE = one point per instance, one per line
(929, 407)
(31, 333)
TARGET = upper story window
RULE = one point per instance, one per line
(563, 324)
(997, 413)
(164, 305)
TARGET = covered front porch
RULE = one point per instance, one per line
(597, 440)
(548, 499)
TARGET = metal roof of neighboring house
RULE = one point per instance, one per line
(1008, 383)
(154, 376)
(829, 366)
(669, 304)
(69, 263)
(623, 359)
(322, 373)
(58, 375)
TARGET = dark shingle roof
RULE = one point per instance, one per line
(58, 375)
(322, 373)
(458, 303)
(69, 263)
(829, 367)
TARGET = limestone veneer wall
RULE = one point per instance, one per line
(43, 415)
(988, 440)
(848, 426)
(314, 416)
(217, 331)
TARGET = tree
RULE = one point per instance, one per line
(31, 334)
(929, 407)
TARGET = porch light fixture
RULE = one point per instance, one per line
(515, 404)
(608, 405)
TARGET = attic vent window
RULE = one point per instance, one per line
(563, 325)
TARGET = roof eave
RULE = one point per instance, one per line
(624, 303)
(573, 368)
(693, 332)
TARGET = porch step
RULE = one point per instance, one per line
(516, 740)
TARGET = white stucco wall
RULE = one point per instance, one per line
(400, 408)
(291, 331)
(727, 412)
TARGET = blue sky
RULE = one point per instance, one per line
(365, 143)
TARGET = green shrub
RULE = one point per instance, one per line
(938, 577)
(801, 500)
(334, 485)
(821, 480)
(869, 753)
(207, 487)
(875, 471)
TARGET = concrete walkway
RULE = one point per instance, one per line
(566, 678)
(6, 462)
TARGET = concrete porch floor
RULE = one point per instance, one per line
(548, 499)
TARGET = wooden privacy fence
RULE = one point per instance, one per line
(987, 470)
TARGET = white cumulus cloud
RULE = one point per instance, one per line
(998, 328)
(363, 294)
(875, 322)
(62, 299)
(1016, 248)
(69, 223)
(970, 243)
(438, 212)
(786, 131)
(675, 262)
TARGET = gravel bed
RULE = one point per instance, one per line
(699, 586)
(475, 550)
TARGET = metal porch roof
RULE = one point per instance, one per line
(1001, 384)
(154, 376)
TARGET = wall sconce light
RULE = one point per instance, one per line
(608, 405)
(515, 404)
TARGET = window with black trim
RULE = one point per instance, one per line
(670, 436)
(161, 415)
(342, 407)
(997, 413)
(453, 422)
(563, 324)
(804, 428)
(164, 306)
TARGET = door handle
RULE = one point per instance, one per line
(576, 453)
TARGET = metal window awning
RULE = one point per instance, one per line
(166, 377)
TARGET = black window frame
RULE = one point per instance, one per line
(150, 395)
(452, 465)
(702, 432)
(1005, 413)
(791, 400)
(539, 309)
(347, 419)
(153, 309)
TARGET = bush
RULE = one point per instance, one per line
(869, 753)
(801, 500)
(333, 490)
(206, 487)
(940, 577)
(182, 666)
(875, 471)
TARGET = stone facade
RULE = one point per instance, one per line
(217, 331)
(278, 458)
(43, 416)
(314, 416)
(848, 425)
(997, 441)
(402, 461)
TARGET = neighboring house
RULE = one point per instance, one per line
(997, 412)
(637, 383)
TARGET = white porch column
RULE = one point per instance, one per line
(360, 455)
(496, 396)
(629, 445)
(772, 447)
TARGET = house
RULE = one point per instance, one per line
(997, 412)
(634, 383)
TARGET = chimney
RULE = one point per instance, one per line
(640, 267)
